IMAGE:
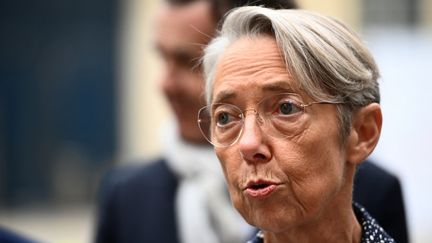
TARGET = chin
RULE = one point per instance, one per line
(272, 219)
(272, 224)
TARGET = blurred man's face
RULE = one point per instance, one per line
(181, 34)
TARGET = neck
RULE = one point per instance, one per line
(337, 223)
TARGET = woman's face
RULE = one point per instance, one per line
(277, 183)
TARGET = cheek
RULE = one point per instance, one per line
(231, 163)
(314, 166)
(194, 84)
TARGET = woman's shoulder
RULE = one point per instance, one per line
(371, 231)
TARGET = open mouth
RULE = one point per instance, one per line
(260, 189)
(259, 186)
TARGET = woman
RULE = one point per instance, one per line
(293, 109)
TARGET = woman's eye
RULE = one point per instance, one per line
(223, 118)
(288, 108)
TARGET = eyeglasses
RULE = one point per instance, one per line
(280, 116)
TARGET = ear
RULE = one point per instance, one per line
(365, 133)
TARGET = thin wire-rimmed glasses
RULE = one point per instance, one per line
(280, 115)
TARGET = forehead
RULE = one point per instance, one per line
(186, 27)
(254, 64)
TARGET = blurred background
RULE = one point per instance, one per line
(78, 95)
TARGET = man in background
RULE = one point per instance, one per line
(181, 197)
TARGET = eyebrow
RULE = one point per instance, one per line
(283, 86)
(278, 86)
(224, 95)
(179, 51)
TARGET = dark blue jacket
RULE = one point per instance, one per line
(7, 236)
(137, 205)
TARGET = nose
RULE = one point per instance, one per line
(252, 144)
(169, 80)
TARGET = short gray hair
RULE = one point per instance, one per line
(328, 59)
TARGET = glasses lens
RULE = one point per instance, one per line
(283, 114)
(220, 124)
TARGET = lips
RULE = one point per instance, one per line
(260, 188)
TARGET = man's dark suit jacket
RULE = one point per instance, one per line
(8, 236)
(137, 204)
